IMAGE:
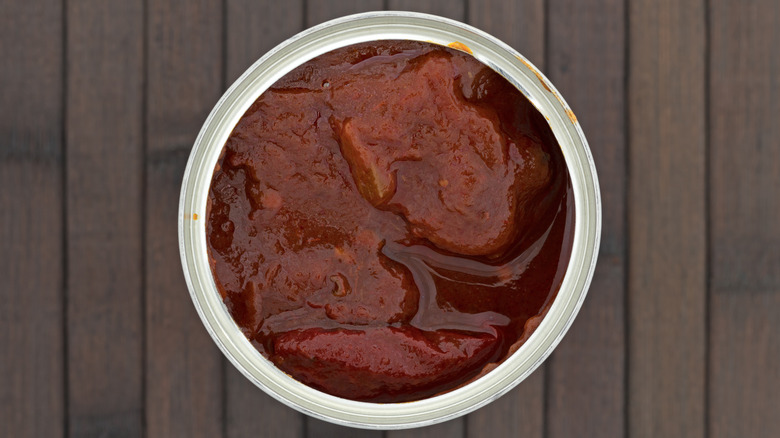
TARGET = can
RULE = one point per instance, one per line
(374, 26)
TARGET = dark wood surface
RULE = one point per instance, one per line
(102, 100)
(184, 385)
(667, 287)
(103, 190)
(33, 361)
(744, 237)
(586, 61)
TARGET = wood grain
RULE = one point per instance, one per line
(184, 378)
(104, 205)
(252, 413)
(667, 226)
(455, 9)
(519, 23)
(318, 11)
(586, 372)
(744, 385)
(453, 428)
(31, 221)
(521, 411)
(321, 429)
(253, 28)
(89, 186)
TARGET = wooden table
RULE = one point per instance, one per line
(102, 100)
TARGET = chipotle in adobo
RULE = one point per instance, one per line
(389, 220)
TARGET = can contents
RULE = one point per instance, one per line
(389, 221)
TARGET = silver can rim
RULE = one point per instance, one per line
(375, 26)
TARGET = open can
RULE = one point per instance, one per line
(264, 73)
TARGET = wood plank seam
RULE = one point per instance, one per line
(144, 212)
(626, 212)
(65, 243)
(707, 217)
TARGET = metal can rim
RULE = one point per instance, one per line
(374, 26)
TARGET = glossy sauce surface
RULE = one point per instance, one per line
(387, 218)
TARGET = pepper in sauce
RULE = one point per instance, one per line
(389, 220)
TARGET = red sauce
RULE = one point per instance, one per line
(386, 219)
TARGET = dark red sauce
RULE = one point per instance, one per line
(387, 218)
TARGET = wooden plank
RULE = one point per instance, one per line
(184, 379)
(446, 8)
(321, 429)
(521, 411)
(104, 211)
(318, 11)
(744, 379)
(519, 23)
(253, 28)
(744, 206)
(184, 68)
(667, 224)
(452, 428)
(586, 373)
(457, 11)
(251, 413)
(31, 222)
